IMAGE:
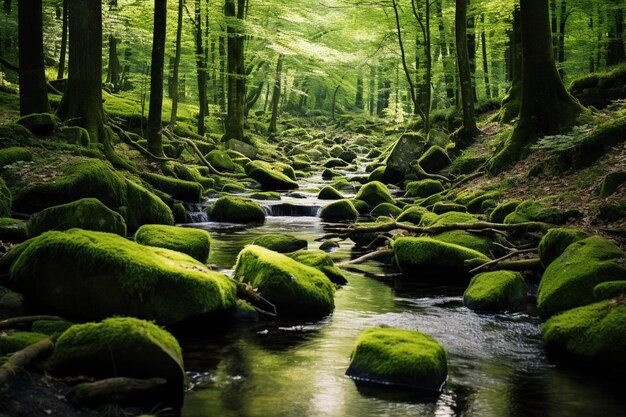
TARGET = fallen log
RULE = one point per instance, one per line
(118, 389)
(27, 320)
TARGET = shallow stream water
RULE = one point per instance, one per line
(497, 365)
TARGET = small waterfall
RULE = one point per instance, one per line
(196, 213)
(292, 210)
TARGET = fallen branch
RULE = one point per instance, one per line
(128, 141)
(503, 258)
(381, 253)
(248, 293)
(467, 179)
(113, 390)
(22, 358)
(27, 320)
(533, 264)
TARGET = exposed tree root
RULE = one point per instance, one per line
(113, 390)
(22, 358)
(27, 320)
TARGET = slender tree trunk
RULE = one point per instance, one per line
(615, 49)
(61, 72)
(483, 41)
(445, 54)
(236, 69)
(512, 100)
(222, 77)
(175, 71)
(554, 24)
(471, 48)
(155, 113)
(276, 95)
(113, 72)
(201, 68)
(469, 129)
(372, 89)
(358, 101)
(33, 88)
(592, 60)
(206, 57)
(561, 42)
(334, 103)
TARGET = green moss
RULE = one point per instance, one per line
(187, 173)
(399, 357)
(122, 347)
(336, 151)
(423, 188)
(281, 243)
(263, 196)
(467, 164)
(94, 178)
(434, 159)
(591, 335)
(328, 174)
(374, 193)
(179, 212)
(91, 275)
(6, 199)
(463, 238)
(407, 149)
(377, 174)
(412, 214)
(335, 163)
(610, 289)
(13, 230)
(194, 242)
(595, 144)
(293, 287)
(501, 211)
(442, 207)
(425, 258)
(611, 183)
(76, 135)
(613, 212)
(14, 154)
(15, 341)
(40, 124)
(231, 209)
(50, 327)
(386, 209)
(221, 161)
(361, 206)
(320, 260)
(554, 243)
(342, 210)
(477, 204)
(233, 188)
(329, 193)
(568, 282)
(189, 191)
(271, 179)
(87, 213)
(537, 211)
(497, 291)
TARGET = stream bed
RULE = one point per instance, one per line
(497, 364)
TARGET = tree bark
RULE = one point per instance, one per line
(113, 72)
(276, 95)
(33, 85)
(358, 101)
(201, 68)
(175, 71)
(471, 48)
(511, 102)
(61, 72)
(372, 89)
(236, 79)
(445, 53)
(469, 129)
(561, 38)
(483, 42)
(155, 112)
(615, 48)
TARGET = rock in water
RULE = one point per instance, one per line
(194, 242)
(498, 291)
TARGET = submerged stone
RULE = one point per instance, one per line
(494, 292)
(398, 357)
(194, 242)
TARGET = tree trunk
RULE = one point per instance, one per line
(155, 113)
(358, 101)
(512, 100)
(561, 39)
(546, 106)
(201, 68)
(372, 89)
(554, 24)
(471, 49)
(113, 72)
(61, 72)
(483, 41)
(222, 77)
(175, 72)
(615, 48)
(334, 103)
(469, 130)
(236, 70)
(33, 85)
(276, 95)
(445, 54)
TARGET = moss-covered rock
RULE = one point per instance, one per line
(407, 149)
(430, 259)
(348, 156)
(335, 163)
(265, 196)
(281, 242)
(75, 135)
(554, 243)
(374, 193)
(609, 289)
(377, 174)
(482, 201)
(221, 161)
(94, 178)
(361, 206)
(342, 210)
(328, 174)
(599, 89)
(189, 191)
(14, 341)
(6, 200)
(10, 301)
(91, 275)
(50, 327)
(231, 209)
(330, 244)
(194, 242)
(494, 292)
(502, 210)
(87, 213)
(478, 243)
(611, 183)
(399, 357)
(320, 260)
(434, 159)
(569, 280)
(188, 173)
(412, 214)
(14, 154)
(423, 188)
(613, 212)
(591, 335)
(329, 193)
(442, 207)
(40, 124)
(123, 347)
(387, 210)
(295, 288)
(271, 179)
(594, 145)
(13, 230)
(538, 211)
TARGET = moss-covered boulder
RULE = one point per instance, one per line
(50, 327)
(281, 242)
(424, 258)
(611, 183)
(374, 193)
(442, 207)
(405, 358)
(613, 212)
(473, 241)
(554, 243)
(412, 214)
(386, 209)
(14, 154)
(609, 289)
(229, 209)
(40, 124)
(342, 210)
(361, 206)
(75, 135)
(92, 275)
(296, 289)
(590, 336)
(434, 159)
(329, 193)
(87, 213)
(13, 230)
(569, 280)
(221, 161)
(188, 173)
(407, 149)
(502, 210)
(123, 347)
(319, 259)
(6, 200)
(335, 163)
(599, 89)
(189, 191)
(194, 242)
(423, 188)
(265, 196)
(94, 178)
(271, 179)
(328, 174)
(538, 211)
(498, 291)
(14, 341)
